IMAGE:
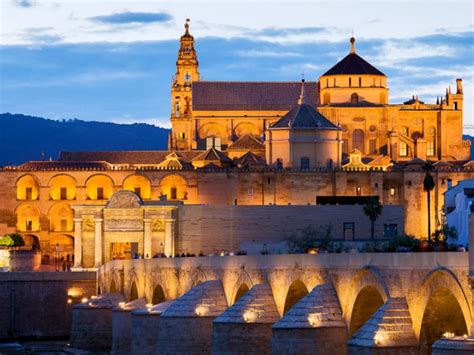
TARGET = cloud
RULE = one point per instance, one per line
(25, 3)
(267, 53)
(132, 18)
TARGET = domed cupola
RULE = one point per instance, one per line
(354, 82)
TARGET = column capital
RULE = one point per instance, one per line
(98, 220)
(77, 220)
(169, 220)
(147, 220)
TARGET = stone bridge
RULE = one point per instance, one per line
(293, 303)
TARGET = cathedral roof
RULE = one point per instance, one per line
(249, 159)
(253, 96)
(126, 156)
(353, 64)
(247, 142)
(212, 154)
(65, 165)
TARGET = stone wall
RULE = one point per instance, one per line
(36, 304)
(210, 229)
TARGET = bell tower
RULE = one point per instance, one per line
(187, 71)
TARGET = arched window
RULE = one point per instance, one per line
(403, 149)
(354, 98)
(327, 82)
(350, 82)
(304, 163)
(358, 140)
(360, 81)
(327, 99)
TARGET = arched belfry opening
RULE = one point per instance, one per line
(296, 292)
(113, 287)
(242, 290)
(442, 315)
(366, 304)
(158, 295)
(133, 292)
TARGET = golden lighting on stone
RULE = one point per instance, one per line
(202, 310)
(379, 338)
(312, 251)
(93, 297)
(449, 335)
(74, 292)
(149, 306)
(314, 319)
(121, 304)
(84, 300)
(250, 316)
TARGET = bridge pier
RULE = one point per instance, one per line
(122, 326)
(145, 328)
(92, 323)
(313, 325)
(389, 331)
(186, 326)
(246, 327)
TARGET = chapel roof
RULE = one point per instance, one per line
(247, 142)
(304, 115)
(253, 96)
(212, 154)
(353, 64)
(248, 160)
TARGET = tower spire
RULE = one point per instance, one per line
(353, 49)
(302, 98)
(186, 25)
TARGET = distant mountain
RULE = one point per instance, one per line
(24, 138)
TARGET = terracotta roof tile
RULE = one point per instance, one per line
(247, 142)
(255, 96)
(126, 156)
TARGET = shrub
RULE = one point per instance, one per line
(12, 240)
(313, 238)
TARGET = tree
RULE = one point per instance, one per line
(428, 185)
(373, 209)
(12, 240)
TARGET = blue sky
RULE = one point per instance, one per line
(113, 60)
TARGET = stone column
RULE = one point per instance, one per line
(77, 242)
(98, 242)
(147, 238)
(169, 237)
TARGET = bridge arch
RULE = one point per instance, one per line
(296, 292)
(158, 294)
(368, 286)
(113, 283)
(443, 307)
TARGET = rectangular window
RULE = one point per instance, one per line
(358, 191)
(181, 135)
(63, 225)
(390, 230)
(29, 193)
(173, 193)
(100, 193)
(213, 142)
(373, 146)
(138, 191)
(403, 149)
(430, 150)
(63, 192)
(348, 231)
(393, 191)
(360, 81)
(455, 106)
(29, 225)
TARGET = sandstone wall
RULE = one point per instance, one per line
(209, 229)
(36, 304)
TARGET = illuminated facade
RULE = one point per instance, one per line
(257, 143)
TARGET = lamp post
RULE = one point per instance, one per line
(56, 263)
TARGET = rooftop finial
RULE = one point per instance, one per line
(186, 25)
(353, 49)
(302, 99)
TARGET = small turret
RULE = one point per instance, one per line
(459, 89)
